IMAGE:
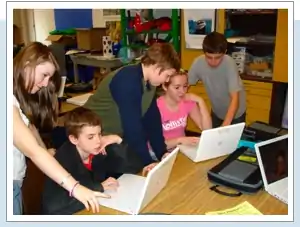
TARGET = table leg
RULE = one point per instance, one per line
(76, 74)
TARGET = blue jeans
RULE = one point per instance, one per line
(18, 204)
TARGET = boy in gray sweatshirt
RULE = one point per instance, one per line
(219, 74)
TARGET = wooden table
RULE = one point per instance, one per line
(96, 61)
(188, 193)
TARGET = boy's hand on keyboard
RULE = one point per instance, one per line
(110, 184)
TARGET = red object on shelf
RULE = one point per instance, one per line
(137, 23)
(163, 23)
(165, 27)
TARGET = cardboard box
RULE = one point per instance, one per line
(90, 38)
(63, 39)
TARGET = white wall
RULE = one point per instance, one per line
(44, 23)
(35, 24)
(17, 17)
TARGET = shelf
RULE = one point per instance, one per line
(256, 78)
(251, 13)
(172, 34)
(153, 31)
(270, 12)
(133, 46)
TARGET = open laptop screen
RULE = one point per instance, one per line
(274, 157)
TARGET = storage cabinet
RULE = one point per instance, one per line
(280, 71)
(258, 99)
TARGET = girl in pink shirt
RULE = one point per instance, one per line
(176, 106)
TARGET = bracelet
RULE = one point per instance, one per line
(72, 190)
(64, 180)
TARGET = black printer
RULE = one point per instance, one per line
(260, 131)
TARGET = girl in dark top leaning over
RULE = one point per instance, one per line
(85, 157)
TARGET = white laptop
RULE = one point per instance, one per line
(272, 156)
(136, 192)
(214, 143)
(79, 100)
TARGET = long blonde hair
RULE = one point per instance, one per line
(41, 108)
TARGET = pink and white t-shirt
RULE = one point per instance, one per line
(174, 122)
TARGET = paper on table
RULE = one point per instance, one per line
(79, 100)
(244, 208)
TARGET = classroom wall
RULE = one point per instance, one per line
(80, 18)
(44, 23)
(17, 17)
(188, 55)
(23, 18)
(37, 23)
(73, 18)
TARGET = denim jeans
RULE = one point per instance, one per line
(17, 204)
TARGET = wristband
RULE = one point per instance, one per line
(72, 190)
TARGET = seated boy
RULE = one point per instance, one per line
(85, 157)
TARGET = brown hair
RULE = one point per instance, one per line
(162, 54)
(215, 43)
(41, 108)
(179, 73)
(78, 118)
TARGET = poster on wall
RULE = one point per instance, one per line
(198, 23)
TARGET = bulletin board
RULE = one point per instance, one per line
(188, 55)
